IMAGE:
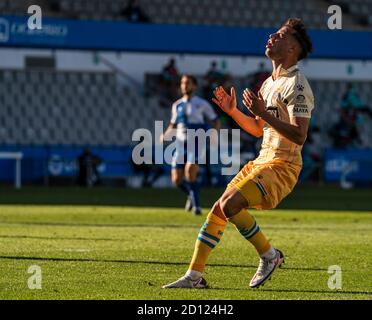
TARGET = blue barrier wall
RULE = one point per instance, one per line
(41, 162)
(349, 165)
(119, 36)
(60, 161)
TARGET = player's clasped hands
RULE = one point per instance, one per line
(255, 104)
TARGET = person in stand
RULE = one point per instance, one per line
(88, 174)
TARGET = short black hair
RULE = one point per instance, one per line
(191, 77)
(301, 36)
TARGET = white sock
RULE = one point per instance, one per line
(194, 275)
(269, 254)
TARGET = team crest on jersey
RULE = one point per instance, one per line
(276, 97)
(300, 87)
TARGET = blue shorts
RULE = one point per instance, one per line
(182, 156)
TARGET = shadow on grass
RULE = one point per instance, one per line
(303, 197)
(56, 259)
(147, 262)
(336, 292)
(320, 291)
(195, 226)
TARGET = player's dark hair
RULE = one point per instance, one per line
(301, 36)
(191, 77)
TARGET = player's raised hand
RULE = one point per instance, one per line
(254, 104)
(225, 101)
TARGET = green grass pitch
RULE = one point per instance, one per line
(124, 244)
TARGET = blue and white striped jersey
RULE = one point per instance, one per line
(192, 114)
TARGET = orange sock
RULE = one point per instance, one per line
(209, 236)
(250, 230)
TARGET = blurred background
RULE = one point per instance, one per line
(72, 93)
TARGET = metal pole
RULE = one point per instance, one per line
(18, 173)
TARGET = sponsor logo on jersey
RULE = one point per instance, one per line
(301, 108)
(300, 98)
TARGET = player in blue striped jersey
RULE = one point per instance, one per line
(189, 112)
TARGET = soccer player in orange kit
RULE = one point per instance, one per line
(282, 112)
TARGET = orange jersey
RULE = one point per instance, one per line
(276, 170)
(288, 96)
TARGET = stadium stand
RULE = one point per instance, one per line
(46, 107)
(360, 9)
(328, 95)
(70, 108)
(92, 108)
(241, 13)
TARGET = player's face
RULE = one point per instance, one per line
(279, 43)
(187, 86)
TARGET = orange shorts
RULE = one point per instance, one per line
(275, 179)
